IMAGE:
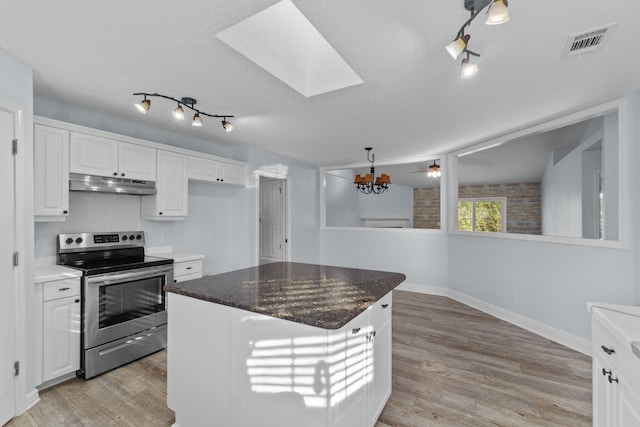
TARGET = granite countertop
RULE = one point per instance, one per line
(316, 295)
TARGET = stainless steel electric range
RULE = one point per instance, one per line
(123, 301)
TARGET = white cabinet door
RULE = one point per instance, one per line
(170, 201)
(93, 155)
(61, 337)
(603, 396)
(380, 383)
(136, 162)
(51, 173)
(231, 173)
(628, 406)
(201, 169)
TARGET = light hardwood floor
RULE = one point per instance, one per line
(452, 366)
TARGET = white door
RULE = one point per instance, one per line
(272, 220)
(7, 284)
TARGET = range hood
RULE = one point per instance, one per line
(104, 184)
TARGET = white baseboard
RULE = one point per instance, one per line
(33, 397)
(561, 337)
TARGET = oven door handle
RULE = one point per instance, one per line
(113, 278)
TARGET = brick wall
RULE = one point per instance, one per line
(523, 205)
(426, 207)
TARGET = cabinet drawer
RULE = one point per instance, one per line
(380, 309)
(186, 277)
(187, 267)
(61, 289)
(605, 345)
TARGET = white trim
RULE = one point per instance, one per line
(33, 397)
(621, 106)
(20, 245)
(557, 335)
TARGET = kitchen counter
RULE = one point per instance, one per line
(177, 256)
(47, 273)
(283, 344)
(315, 295)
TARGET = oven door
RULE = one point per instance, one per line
(124, 303)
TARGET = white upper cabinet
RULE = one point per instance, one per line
(203, 169)
(95, 155)
(170, 201)
(136, 162)
(51, 173)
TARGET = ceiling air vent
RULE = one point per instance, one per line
(587, 41)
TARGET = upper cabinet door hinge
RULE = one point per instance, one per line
(14, 147)
(16, 259)
(16, 368)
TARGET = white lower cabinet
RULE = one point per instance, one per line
(616, 370)
(187, 270)
(170, 200)
(273, 372)
(59, 331)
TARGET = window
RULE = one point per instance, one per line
(482, 214)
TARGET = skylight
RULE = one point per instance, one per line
(281, 40)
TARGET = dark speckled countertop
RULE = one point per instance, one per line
(317, 295)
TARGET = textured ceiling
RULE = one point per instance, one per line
(94, 55)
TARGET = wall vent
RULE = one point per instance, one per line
(587, 41)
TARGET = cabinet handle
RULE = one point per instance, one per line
(121, 174)
(115, 174)
(188, 268)
(159, 213)
(369, 337)
(63, 289)
(77, 300)
(612, 380)
(65, 212)
(605, 372)
(609, 351)
(385, 305)
(355, 331)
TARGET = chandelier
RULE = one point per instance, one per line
(366, 184)
(498, 14)
(144, 106)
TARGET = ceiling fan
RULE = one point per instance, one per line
(433, 171)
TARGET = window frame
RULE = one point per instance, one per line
(619, 105)
(474, 200)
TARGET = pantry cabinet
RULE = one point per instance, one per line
(95, 155)
(50, 173)
(170, 200)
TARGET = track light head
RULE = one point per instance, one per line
(456, 47)
(197, 121)
(178, 113)
(468, 69)
(498, 14)
(228, 127)
(143, 106)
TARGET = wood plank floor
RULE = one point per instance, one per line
(452, 366)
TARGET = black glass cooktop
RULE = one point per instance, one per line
(109, 261)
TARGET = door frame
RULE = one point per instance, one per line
(20, 245)
(288, 248)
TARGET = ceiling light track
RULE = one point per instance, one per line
(498, 14)
(144, 106)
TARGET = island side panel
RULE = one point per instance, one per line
(280, 372)
(198, 361)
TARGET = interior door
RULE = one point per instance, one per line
(272, 221)
(7, 284)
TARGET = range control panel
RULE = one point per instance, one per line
(73, 242)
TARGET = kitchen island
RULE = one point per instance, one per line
(282, 344)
